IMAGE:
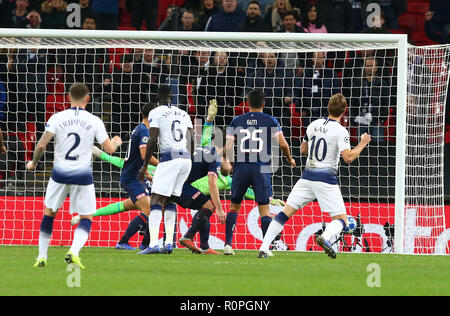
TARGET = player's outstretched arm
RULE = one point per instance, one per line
(119, 162)
(40, 149)
(111, 145)
(209, 123)
(350, 155)
(286, 150)
(150, 150)
(215, 197)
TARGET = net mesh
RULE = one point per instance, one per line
(298, 78)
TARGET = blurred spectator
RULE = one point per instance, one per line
(87, 65)
(144, 10)
(153, 69)
(358, 23)
(54, 15)
(274, 14)
(311, 21)
(277, 83)
(437, 21)
(291, 60)
(89, 22)
(254, 22)
(172, 21)
(289, 23)
(86, 10)
(369, 103)
(187, 22)
(29, 90)
(129, 92)
(319, 84)
(18, 16)
(209, 8)
(228, 19)
(108, 14)
(337, 15)
(34, 20)
(263, 4)
(221, 83)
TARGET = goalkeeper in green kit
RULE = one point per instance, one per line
(202, 184)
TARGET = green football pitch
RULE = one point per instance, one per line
(113, 272)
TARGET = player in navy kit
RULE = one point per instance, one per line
(137, 191)
(253, 133)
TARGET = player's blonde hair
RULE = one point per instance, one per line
(78, 92)
(337, 105)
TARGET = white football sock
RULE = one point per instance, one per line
(44, 241)
(169, 226)
(154, 221)
(79, 239)
(332, 229)
(272, 231)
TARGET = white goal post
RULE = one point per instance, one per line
(410, 88)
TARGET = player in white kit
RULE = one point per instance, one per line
(174, 128)
(325, 140)
(75, 131)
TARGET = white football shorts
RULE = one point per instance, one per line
(328, 196)
(82, 197)
(170, 176)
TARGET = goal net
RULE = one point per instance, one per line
(395, 92)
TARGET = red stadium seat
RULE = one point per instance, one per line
(447, 133)
(421, 39)
(241, 108)
(56, 102)
(390, 127)
(418, 7)
(406, 23)
(296, 122)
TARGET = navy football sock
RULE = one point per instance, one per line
(204, 234)
(265, 222)
(134, 226)
(197, 222)
(230, 224)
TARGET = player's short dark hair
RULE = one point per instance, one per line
(255, 2)
(147, 108)
(256, 98)
(164, 92)
(292, 12)
(78, 91)
(337, 105)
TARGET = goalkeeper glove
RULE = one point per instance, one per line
(277, 202)
(212, 111)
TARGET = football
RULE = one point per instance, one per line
(351, 225)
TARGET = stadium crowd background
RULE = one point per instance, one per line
(34, 84)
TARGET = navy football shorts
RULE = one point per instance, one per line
(136, 189)
(191, 198)
(246, 175)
